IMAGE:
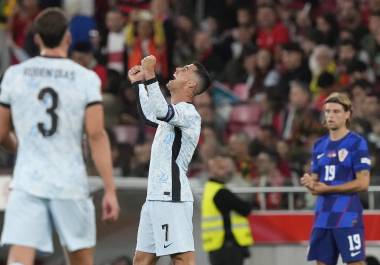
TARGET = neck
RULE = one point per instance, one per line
(181, 98)
(338, 134)
(54, 52)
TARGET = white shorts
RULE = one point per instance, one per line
(165, 228)
(29, 221)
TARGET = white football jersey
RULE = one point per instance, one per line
(48, 97)
(173, 146)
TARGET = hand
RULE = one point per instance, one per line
(110, 207)
(308, 181)
(320, 188)
(149, 65)
(136, 74)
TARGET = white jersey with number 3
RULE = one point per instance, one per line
(48, 98)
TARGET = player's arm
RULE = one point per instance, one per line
(101, 154)
(227, 200)
(136, 77)
(361, 165)
(361, 183)
(176, 115)
(157, 102)
(7, 138)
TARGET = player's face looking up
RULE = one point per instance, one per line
(335, 115)
(185, 78)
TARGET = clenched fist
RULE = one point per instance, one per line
(149, 64)
(136, 74)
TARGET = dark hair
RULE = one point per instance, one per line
(51, 26)
(82, 46)
(204, 77)
(325, 80)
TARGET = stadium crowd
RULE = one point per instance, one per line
(273, 63)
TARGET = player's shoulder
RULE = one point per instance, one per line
(188, 107)
(354, 136)
(321, 141)
(356, 140)
(11, 70)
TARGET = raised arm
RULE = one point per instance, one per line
(160, 108)
(136, 77)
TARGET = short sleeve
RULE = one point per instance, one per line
(6, 89)
(314, 162)
(360, 157)
(93, 90)
(182, 115)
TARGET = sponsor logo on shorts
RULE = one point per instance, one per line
(166, 246)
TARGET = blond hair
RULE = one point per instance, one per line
(342, 99)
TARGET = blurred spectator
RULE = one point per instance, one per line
(349, 18)
(82, 54)
(161, 12)
(140, 160)
(227, 244)
(359, 90)
(206, 53)
(321, 60)
(326, 85)
(303, 23)
(347, 53)
(129, 113)
(371, 42)
(326, 29)
(269, 176)
(242, 37)
(205, 108)
(266, 73)
(208, 148)
(183, 47)
(128, 6)
(20, 29)
(300, 119)
(113, 52)
(294, 68)
(358, 70)
(234, 72)
(284, 159)
(271, 33)
(371, 107)
(144, 36)
(238, 146)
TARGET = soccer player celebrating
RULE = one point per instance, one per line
(166, 217)
(340, 169)
(50, 99)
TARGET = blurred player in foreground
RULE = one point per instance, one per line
(166, 217)
(51, 100)
(340, 169)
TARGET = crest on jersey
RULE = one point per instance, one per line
(342, 154)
